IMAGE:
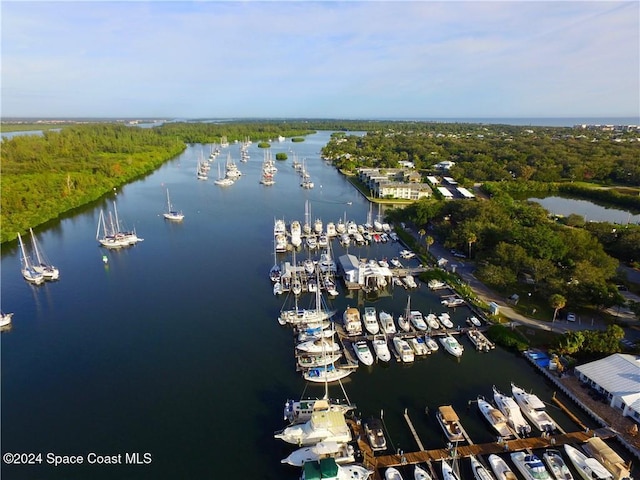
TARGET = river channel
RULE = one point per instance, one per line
(173, 349)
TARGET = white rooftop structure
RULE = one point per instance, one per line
(445, 192)
(465, 193)
(433, 180)
(450, 180)
(618, 377)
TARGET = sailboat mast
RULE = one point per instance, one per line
(35, 247)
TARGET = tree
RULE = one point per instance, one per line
(471, 238)
(557, 302)
(429, 240)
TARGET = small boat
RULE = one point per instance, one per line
(420, 473)
(588, 468)
(434, 284)
(171, 213)
(403, 349)
(474, 321)
(5, 319)
(417, 320)
(340, 452)
(555, 462)
(277, 288)
(404, 323)
(447, 472)
(386, 321)
(392, 473)
(396, 263)
(534, 409)
(418, 346)
(381, 348)
(320, 345)
(597, 448)
(452, 302)
(41, 264)
(407, 254)
(28, 272)
(308, 332)
(480, 472)
(433, 322)
(351, 321)
(495, 418)
(370, 320)
(450, 423)
(530, 466)
(301, 411)
(375, 434)
(409, 281)
(326, 374)
(445, 320)
(431, 343)
(451, 345)
(500, 468)
(313, 360)
(510, 409)
(328, 469)
(478, 339)
(363, 352)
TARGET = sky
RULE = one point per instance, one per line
(327, 59)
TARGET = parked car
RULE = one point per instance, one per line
(571, 317)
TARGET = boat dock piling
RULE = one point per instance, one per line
(413, 431)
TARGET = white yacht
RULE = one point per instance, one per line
(510, 409)
(324, 425)
(392, 473)
(296, 233)
(557, 466)
(363, 352)
(313, 360)
(500, 468)
(351, 321)
(375, 434)
(588, 468)
(340, 452)
(418, 345)
(417, 320)
(328, 469)
(420, 473)
(381, 348)
(431, 343)
(450, 423)
(5, 319)
(370, 319)
(530, 466)
(445, 320)
(432, 321)
(320, 345)
(302, 316)
(534, 409)
(300, 411)
(403, 349)
(495, 418)
(386, 321)
(452, 345)
(326, 374)
(480, 472)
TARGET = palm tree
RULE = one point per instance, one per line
(471, 238)
(557, 302)
(429, 240)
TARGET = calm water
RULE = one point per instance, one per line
(589, 210)
(173, 348)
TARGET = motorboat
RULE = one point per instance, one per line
(495, 418)
(351, 321)
(409, 281)
(501, 470)
(530, 466)
(474, 321)
(375, 434)
(320, 345)
(435, 284)
(363, 352)
(340, 452)
(296, 233)
(407, 254)
(431, 343)
(452, 345)
(432, 321)
(403, 349)
(482, 343)
(370, 320)
(300, 411)
(420, 473)
(326, 374)
(404, 323)
(312, 360)
(313, 332)
(534, 409)
(447, 472)
(381, 348)
(386, 322)
(328, 469)
(5, 319)
(392, 473)
(418, 346)
(510, 409)
(417, 320)
(452, 302)
(480, 472)
(395, 262)
(450, 423)
(323, 426)
(588, 467)
(445, 320)
(557, 466)
(597, 448)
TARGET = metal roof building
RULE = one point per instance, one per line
(617, 377)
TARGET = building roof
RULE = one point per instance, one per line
(618, 374)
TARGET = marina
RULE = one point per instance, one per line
(178, 335)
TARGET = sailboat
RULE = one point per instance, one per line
(223, 181)
(5, 319)
(172, 214)
(42, 265)
(112, 236)
(28, 272)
